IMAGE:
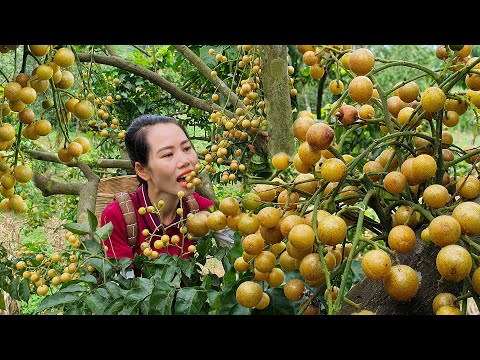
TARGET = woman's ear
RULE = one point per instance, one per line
(142, 171)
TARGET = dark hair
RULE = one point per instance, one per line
(137, 147)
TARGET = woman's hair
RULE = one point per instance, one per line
(136, 144)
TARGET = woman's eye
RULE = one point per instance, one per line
(167, 155)
(187, 148)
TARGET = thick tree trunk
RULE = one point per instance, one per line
(277, 98)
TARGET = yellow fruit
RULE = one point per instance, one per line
(39, 50)
(409, 92)
(476, 281)
(197, 224)
(433, 99)
(360, 89)
(23, 173)
(84, 142)
(64, 57)
(361, 61)
(66, 81)
(217, 220)
(12, 91)
(401, 283)
(424, 167)
(454, 262)
(333, 170)
(293, 289)
(468, 216)
(269, 217)
(251, 201)
(249, 294)
(43, 127)
(443, 299)
(75, 149)
(436, 196)
(300, 127)
(301, 236)
(402, 239)
(448, 310)
(376, 264)
(264, 302)
(281, 160)
(395, 182)
(469, 187)
(264, 261)
(332, 230)
(444, 230)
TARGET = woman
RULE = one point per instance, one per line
(162, 155)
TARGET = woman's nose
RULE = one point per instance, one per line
(183, 162)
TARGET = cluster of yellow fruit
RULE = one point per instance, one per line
(282, 236)
(316, 57)
(247, 122)
(46, 269)
(163, 241)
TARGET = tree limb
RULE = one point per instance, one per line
(206, 71)
(156, 79)
(50, 187)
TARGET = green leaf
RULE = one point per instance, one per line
(102, 266)
(73, 288)
(90, 279)
(141, 289)
(92, 221)
(161, 299)
(214, 299)
(24, 290)
(56, 299)
(168, 273)
(93, 247)
(74, 311)
(97, 303)
(115, 290)
(238, 309)
(165, 259)
(114, 307)
(189, 301)
(104, 232)
(186, 266)
(76, 228)
(13, 288)
(2, 301)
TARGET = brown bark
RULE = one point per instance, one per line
(277, 98)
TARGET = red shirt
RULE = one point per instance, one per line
(117, 242)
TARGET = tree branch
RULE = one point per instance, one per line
(206, 71)
(151, 76)
(51, 187)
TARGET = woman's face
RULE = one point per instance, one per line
(171, 158)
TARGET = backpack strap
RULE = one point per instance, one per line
(129, 215)
(192, 204)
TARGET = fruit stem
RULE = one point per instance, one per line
(414, 206)
(470, 242)
(376, 245)
(461, 158)
(390, 63)
(334, 108)
(356, 239)
(351, 303)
